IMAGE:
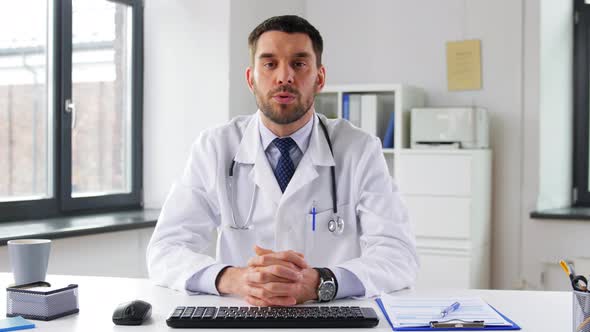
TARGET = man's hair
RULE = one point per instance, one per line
(288, 24)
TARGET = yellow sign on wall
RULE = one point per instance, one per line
(464, 65)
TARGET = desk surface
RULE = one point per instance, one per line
(98, 296)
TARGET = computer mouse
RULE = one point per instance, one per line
(132, 313)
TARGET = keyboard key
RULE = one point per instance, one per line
(221, 314)
(188, 313)
(209, 312)
(177, 312)
(198, 313)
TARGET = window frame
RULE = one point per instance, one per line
(581, 77)
(61, 203)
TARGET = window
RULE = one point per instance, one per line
(581, 103)
(70, 106)
(24, 96)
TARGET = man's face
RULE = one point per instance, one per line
(285, 77)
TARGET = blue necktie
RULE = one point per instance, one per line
(285, 167)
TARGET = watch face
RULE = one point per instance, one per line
(327, 291)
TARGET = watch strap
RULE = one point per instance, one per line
(333, 277)
(324, 275)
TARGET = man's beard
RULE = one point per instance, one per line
(280, 116)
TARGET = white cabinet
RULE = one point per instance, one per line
(447, 192)
(448, 196)
(422, 173)
(456, 212)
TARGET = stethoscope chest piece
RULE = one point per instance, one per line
(336, 225)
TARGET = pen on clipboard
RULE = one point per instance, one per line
(449, 309)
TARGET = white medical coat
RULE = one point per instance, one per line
(377, 244)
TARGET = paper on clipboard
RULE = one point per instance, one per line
(420, 311)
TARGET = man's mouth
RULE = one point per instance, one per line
(284, 98)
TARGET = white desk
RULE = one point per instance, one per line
(98, 296)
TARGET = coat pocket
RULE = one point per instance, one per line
(326, 245)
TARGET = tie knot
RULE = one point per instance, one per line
(284, 144)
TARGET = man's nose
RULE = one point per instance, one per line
(285, 74)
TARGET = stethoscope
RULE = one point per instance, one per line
(335, 224)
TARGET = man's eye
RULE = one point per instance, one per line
(300, 64)
(269, 65)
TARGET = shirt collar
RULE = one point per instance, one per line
(301, 136)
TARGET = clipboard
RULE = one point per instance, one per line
(473, 326)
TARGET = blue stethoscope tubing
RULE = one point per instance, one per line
(335, 225)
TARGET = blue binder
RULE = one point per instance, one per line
(346, 106)
(428, 328)
(388, 138)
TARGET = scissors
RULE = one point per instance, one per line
(579, 282)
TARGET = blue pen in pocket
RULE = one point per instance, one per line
(313, 213)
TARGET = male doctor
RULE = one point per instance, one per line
(304, 207)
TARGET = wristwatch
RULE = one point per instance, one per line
(328, 285)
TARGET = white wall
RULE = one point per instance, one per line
(186, 84)
(530, 167)
(548, 155)
(404, 42)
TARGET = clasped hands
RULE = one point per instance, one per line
(271, 279)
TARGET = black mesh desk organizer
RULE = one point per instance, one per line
(273, 317)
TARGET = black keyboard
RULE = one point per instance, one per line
(272, 317)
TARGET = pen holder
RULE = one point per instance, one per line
(39, 303)
(581, 303)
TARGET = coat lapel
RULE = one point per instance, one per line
(251, 152)
(317, 155)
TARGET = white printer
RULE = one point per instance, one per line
(449, 128)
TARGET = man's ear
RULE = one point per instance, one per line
(250, 78)
(321, 79)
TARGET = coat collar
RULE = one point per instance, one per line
(251, 144)
(319, 150)
(251, 151)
